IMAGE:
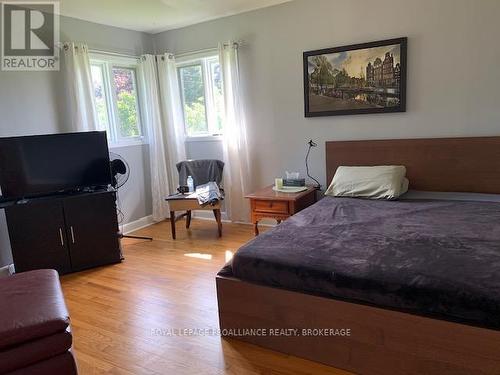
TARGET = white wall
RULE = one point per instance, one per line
(204, 149)
(135, 201)
(453, 75)
(35, 103)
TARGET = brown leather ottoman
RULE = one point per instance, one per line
(34, 325)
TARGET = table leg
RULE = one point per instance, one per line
(172, 223)
(256, 227)
(218, 218)
(188, 219)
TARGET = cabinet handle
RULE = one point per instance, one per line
(61, 236)
(72, 234)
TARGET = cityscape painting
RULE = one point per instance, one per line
(361, 78)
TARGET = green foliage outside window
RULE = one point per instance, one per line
(195, 116)
(126, 102)
(194, 99)
(203, 101)
(127, 114)
(118, 113)
(102, 113)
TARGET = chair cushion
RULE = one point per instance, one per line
(31, 352)
(32, 306)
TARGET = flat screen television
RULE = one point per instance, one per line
(39, 165)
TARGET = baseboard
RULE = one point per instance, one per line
(268, 223)
(137, 224)
(209, 215)
(7, 270)
(203, 215)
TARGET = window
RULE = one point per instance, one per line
(200, 83)
(116, 100)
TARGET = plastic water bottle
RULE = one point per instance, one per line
(190, 183)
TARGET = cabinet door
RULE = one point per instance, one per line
(37, 236)
(92, 230)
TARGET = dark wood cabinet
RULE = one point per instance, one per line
(38, 236)
(89, 224)
(68, 233)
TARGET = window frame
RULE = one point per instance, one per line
(107, 64)
(183, 96)
(204, 60)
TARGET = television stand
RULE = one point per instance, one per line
(68, 233)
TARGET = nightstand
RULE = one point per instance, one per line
(267, 203)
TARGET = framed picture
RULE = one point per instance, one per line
(356, 79)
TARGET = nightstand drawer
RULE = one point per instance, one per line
(271, 206)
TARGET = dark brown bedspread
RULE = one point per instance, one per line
(438, 258)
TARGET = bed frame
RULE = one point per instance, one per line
(435, 164)
(381, 341)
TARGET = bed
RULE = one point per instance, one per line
(415, 282)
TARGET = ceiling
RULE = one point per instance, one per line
(154, 16)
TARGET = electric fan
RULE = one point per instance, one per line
(120, 172)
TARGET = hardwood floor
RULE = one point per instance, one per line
(122, 314)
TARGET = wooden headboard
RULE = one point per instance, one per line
(434, 164)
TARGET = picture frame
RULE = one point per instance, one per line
(356, 79)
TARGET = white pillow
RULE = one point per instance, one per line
(379, 182)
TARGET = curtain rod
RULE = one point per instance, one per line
(205, 50)
(183, 54)
(118, 54)
(212, 49)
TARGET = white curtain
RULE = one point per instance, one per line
(154, 126)
(236, 170)
(80, 89)
(172, 115)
